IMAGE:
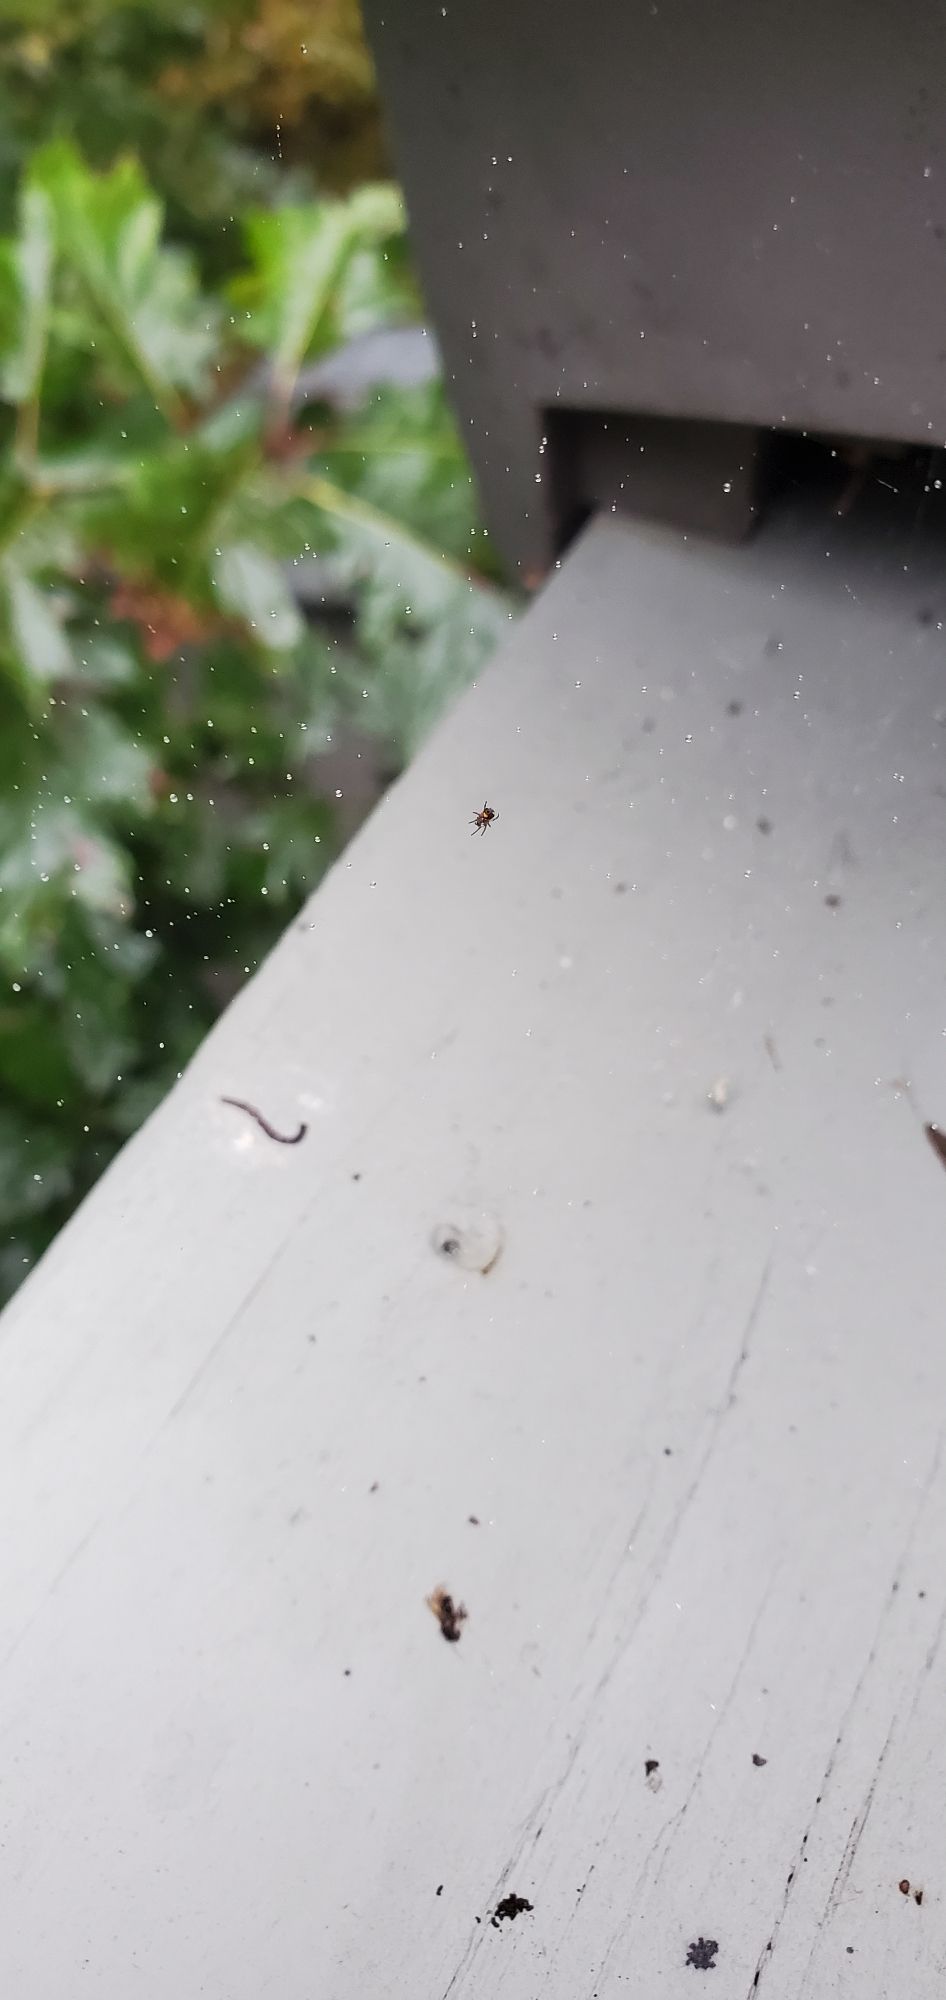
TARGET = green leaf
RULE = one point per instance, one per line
(40, 648)
(26, 267)
(253, 585)
(299, 257)
(401, 453)
(108, 229)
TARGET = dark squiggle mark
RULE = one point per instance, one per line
(281, 1138)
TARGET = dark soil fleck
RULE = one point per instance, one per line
(450, 1616)
(764, 825)
(833, 901)
(474, 1520)
(758, 1761)
(904, 1887)
(375, 1484)
(702, 1954)
(652, 1764)
(440, 1890)
(508, 1910)
(734, 708)
(918, 1895)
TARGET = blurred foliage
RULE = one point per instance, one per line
(164, 703)
(225, 102)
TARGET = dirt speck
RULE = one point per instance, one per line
(450, 1616)
(440, 1889)
(702, 1954)
(652, 1764)
(764, 825)
(734, 708)
(918, 1895)
(832, 901)
(508, 1910)
(758, 1761)
(375, 1486)
(474, 1520)
(904, 1887)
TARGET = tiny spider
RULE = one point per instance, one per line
(483, 819)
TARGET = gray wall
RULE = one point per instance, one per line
(729, 212)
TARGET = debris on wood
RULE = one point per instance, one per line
(475, 1244)
(702, 1954)
(450, 1617)
(281, 1138)
(508, 1910)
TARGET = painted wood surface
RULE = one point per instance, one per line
(658, 1049)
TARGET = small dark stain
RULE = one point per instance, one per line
(668, 1452)
(925, 616)
(651, 1765)
(440, 1889)
(474, 1520)
(311, 1338)
(918, 1895)
(375, 1486)
(764, 825)
(702, 1954)
(356, 1177)
(734, 708)
(904, 1887)
(937, 1140)
(620, 888)
(921, 1593)
(450, 1616)
(758, 1761)
(508, 1910)
(450, 1247)
(832, 901)
(849, 1948)
(348, 1673)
